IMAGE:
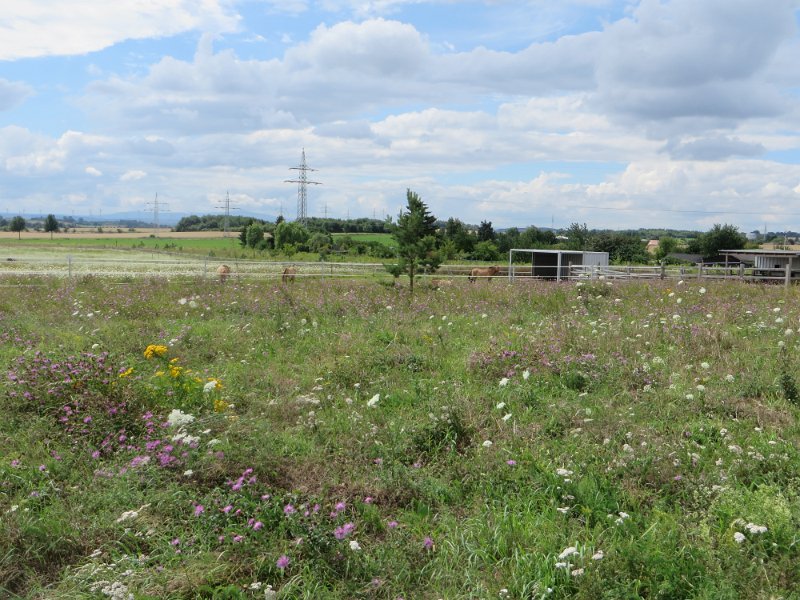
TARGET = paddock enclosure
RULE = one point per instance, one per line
(132, 265)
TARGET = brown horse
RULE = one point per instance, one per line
(288, 274)
(224, 272)
(487, 272)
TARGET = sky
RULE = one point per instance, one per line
(614, 113)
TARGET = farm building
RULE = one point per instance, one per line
(555, 264)
(766, 262)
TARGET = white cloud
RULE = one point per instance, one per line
(132, 175)
(94, 172)
(31, 28)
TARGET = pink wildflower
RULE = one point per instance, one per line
(282, 562)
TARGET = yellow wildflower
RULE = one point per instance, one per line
(154, 350)
(220, 405)
(127, 372)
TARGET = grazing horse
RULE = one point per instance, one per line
(487, 272)
(288, 274)
(224, 272)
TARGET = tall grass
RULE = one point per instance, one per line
(338, 439)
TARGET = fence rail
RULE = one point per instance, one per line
(172, 266)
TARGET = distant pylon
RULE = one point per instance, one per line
(157, 207)
(228, 208)
(302, 182)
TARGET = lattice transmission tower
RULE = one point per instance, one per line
(228, 208)
(302, 183)
(157, 208)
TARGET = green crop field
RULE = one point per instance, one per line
(383, 238)
(183, 438)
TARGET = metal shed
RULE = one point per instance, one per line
(555, 264)
(768, 262)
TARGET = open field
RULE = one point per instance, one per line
(182, 438)
(91, 234)
(384, 238)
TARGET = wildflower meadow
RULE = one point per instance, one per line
(186, 438)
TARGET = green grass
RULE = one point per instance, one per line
(387, 239)
(479, 441)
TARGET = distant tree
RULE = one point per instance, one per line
(578, 237)
(416, 240)
(254, 235)
(290, 233)
(721, 237)
(621, 248)
(17, 224)
(666, 245)
(51, 225)
(279, 220)
(320, 242)
(486, 251)
(485, 232)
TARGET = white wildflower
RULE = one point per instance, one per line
(210, 386)
(500, 405)
(487, 444)
(563, 472)
(506, 417)
(178, 418)
(563, 509)
(561, 565)
(738, 537)
(374, 400)
(702, 290)
(730, 378)
(753, 528)
(567, 552)
(598, 555)
(705, 365)
(577, 572)
(504, 382)
(525, 374)
(354, 546)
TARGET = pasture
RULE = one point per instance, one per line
(334, 438)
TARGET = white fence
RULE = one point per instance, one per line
(158, 265)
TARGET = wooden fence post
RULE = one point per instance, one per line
(787, 278)
(699, 270)
(663, 270)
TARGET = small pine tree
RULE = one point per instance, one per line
(416, 241)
